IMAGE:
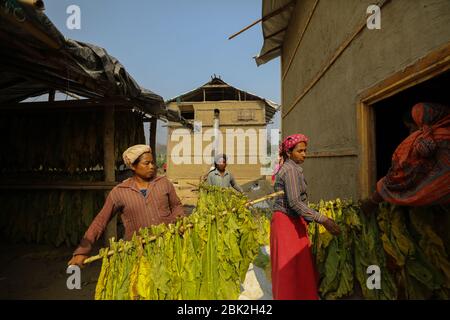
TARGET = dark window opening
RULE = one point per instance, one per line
(390, 114)
(188, 115)
(218, 94)
(187, 112)
(245, 115)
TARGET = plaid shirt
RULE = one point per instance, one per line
(160, 205)
(290, 179)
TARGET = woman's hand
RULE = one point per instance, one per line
(77, 260)
(331, 227)
(368, 206)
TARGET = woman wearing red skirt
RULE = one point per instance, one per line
(293, 272)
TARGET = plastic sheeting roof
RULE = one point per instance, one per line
(35, 58)
(274, 28)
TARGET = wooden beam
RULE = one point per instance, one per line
(329, 63)
(427, 67)
(153, 122)
(109, 161)
(366, 140)
(71, 95)
(246, 123)
(61, 185)
(66, 104)
(216, 86)
(109, 164)
(266, 17)
(300, 39)
(51, 95)
(332, 153)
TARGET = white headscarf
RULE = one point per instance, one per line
(132, 153)
(219, 158)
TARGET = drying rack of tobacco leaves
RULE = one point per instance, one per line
(207, 255)
(203, 256)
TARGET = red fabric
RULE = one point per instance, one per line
(292, 141)
(294, 276)
(420, 170)
(275, 171)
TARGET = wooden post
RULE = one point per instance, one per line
(51, 95)
(153, 136)
(109, 165)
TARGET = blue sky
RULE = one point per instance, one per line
(173, 46)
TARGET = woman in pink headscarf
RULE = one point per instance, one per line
(294, 275)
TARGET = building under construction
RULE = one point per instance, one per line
(219, 105)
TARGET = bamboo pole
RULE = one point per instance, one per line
(152, 141)
(111, 252)
(300, 39)
(330, 62)
(269, 196)
(153, 238)
(270, 15)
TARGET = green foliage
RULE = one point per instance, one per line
(203, 256)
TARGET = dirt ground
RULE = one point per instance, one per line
(30, 271)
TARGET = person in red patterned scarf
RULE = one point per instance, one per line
(294, 276)
(420, 170)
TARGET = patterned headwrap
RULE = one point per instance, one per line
(292, 141)
(419, 173)
(132, 153)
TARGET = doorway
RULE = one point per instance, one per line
(393, 113)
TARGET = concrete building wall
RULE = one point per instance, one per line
(328, 112)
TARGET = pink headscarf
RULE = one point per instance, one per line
(292, 141)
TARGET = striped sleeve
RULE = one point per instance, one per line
(293, 194)
(96, 228)
(210, 179)
(174, 201)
